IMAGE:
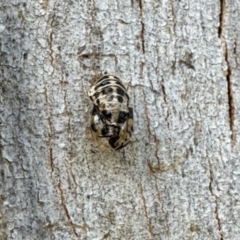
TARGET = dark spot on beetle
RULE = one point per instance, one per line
(112, 141)
(110, 98)
(120, 92)
(93, 127)
(98, 101)
(96, 95)
(107, 90)
(120, 99)
(107, 114)
(116, 130)
(25, 55)
(122, 116)
(95, 111)
(102, 84)
(105, 131)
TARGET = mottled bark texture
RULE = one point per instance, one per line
(179, 178)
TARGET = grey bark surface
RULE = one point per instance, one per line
(179, 178)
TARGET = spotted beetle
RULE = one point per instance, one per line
(111, 117)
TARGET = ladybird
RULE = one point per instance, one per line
(111, 116)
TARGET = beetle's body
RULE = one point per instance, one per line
(111, 116)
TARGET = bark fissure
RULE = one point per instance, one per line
(50, 47)
(160, 168)
(150, 228)
(96, 40)
(146, 114)
(216, 202)
(164, 94)
(230, 91)
(51, 157)
(72, 176)
(51, 43)
(142, 26)
(69, 119)
(63, 201)
(160, 202)
(230, 99)
(141, 69)
(156, 140)
(221, 17)
(142, 37)
(165, 101)
(235, 47)
(51, 161)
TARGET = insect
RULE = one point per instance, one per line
(111, 116)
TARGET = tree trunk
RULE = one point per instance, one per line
(178, 178)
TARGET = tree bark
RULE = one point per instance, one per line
(178, 178)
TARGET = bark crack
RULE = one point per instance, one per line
(63, 201)
(160, 168)
(156, 140)
(146, 114)
(230, 99)
(235, 48)
(51, 155)
(68, 116)
(142, 36)
(165, 216)
(221, 17)
(141, 70)
(216, 201)
(96, 38)
(51, 161)
(165, 101)
(142, 26)
(51, 43)
(164, 93)
(231, 103)
(150, 228)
